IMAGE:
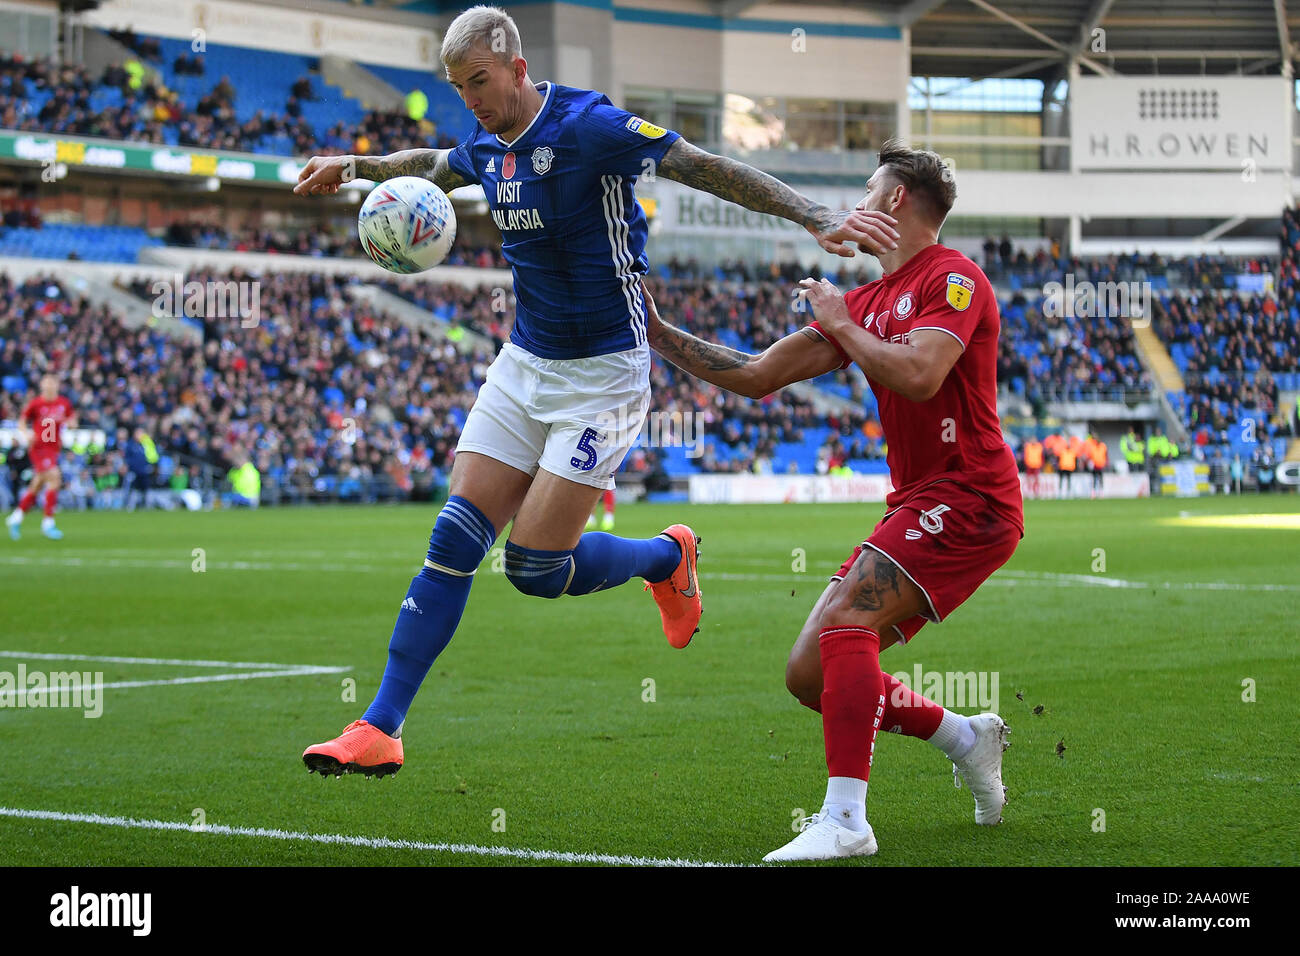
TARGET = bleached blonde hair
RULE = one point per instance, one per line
(490, 28)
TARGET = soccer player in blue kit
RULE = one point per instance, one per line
(566, 397)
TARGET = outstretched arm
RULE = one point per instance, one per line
(799, 356)
(746, 186)
(324, 174)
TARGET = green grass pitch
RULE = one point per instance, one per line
(534, 731)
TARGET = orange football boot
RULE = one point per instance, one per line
(678, 596)
(361, 748)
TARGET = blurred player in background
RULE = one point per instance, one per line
(557, 166)
(607, 517)
(42, 423)
(926, 335)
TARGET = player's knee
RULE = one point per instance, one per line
(461, 538)
(871, 595)
(803, 681)
(538, 573)
(843, 611)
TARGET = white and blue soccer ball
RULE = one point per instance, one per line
(407, 225)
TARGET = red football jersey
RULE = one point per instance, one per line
(956, 435)
(46, 419)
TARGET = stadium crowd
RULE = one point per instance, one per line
(1004, 262)
(307, 240)
(741, 314)
(1052, 358)
(142, 109)
(323, 396)
(1229, 350)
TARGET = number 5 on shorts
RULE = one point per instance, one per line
(584, 446)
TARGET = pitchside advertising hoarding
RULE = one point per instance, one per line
(52, 152)
(1181, 123)
(730, 489)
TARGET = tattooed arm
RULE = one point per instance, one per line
(799, 356)
(324, 174)
(746, 186)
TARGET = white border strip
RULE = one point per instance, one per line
(374, 843)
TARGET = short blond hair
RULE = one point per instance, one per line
(482, 26)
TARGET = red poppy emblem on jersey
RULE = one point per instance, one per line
(508, 166)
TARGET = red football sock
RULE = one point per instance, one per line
(907, 712)
(26, 501)
(51, 499)
(608, 497)
(853, 698)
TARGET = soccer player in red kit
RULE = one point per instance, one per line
(43, 420)
(926, 335)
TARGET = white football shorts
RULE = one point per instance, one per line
(576, 418)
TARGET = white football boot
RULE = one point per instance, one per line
(981, 768)
(821, 838)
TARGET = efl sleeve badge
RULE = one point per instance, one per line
(649, 130)
(960, 291)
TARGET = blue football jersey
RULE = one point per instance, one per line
(562, 195)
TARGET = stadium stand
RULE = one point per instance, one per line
(332, 400)
(72, 241)
(279, 106)
(1237, 350)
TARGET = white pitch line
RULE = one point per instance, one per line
(1105, 581)
(1013, 578)
(85, 553)
(374, 843)
(163, 564)
(253, 670)
(170, 661)
(1000, 578)
(162, 682)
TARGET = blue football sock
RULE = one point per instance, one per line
(604, 561)
(431, 611)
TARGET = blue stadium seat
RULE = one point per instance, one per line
(446, 111)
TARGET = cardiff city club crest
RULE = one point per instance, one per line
(543, 156)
